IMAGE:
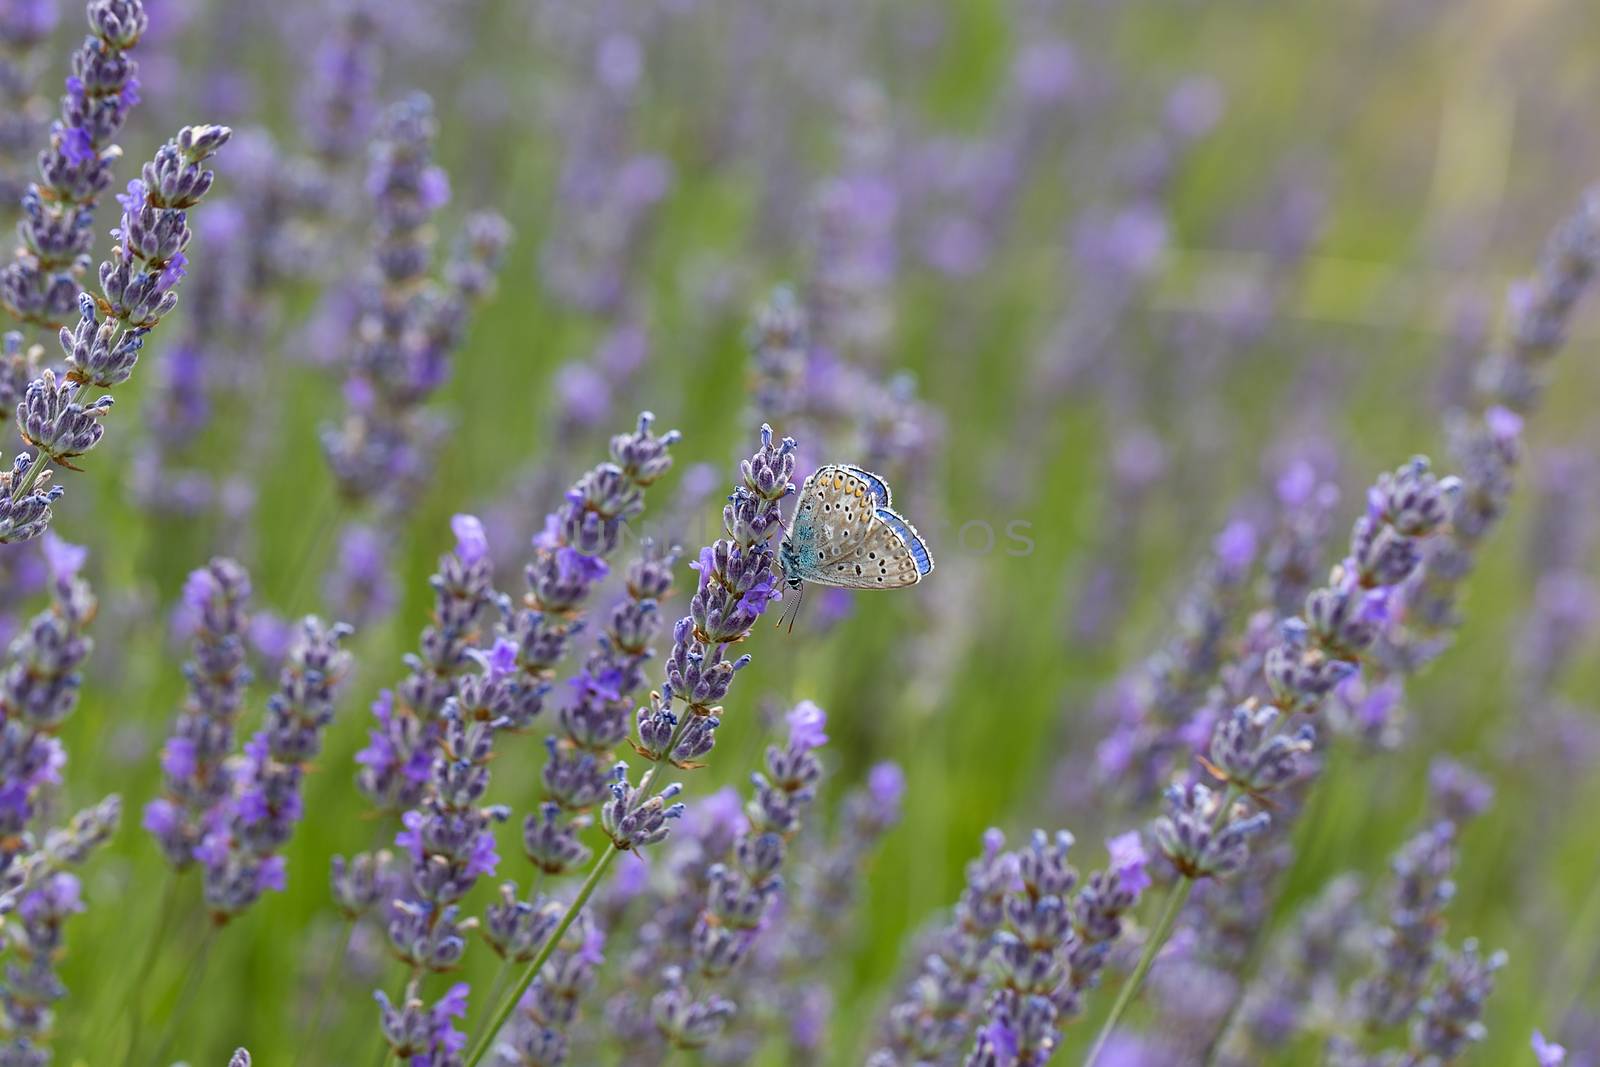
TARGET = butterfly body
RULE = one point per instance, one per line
(845, 533)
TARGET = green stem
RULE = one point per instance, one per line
(324, 993)
(1176, 896)
(508, 1004)
(496, 987)
(191, 985)
(1578, 958)
(133, 997)
(503, 1012)
(1246, 979)
(19, 490)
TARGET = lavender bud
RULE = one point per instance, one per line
(1451, 1017)
(1251, 754)
(685, 1021)
(1199, 838)
(632, 819)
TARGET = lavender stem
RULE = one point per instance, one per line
(503, 1012)
(192, 983)
(507, 1005)
(133, 999)
(1176, 897)
(325, 988)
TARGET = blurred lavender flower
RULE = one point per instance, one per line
(818, 917)
(1487, 443)
(1206, 832)
(395, 764)
(745, 887)
(24, 26)
(40, 286)
(407, 325)
(1547, 1053)
(1153, 725)
(855, 256)
(609, 192)
(338, 107)
(537, 1035)
(195, 778)
(38, 690)
(932, 1019)
(1299, 987)
(1408, 944)
(1450, 1019)
(241, 848)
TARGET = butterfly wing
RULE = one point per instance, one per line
(908, 536)
(882, 560)
(836, 513)
(878, 487)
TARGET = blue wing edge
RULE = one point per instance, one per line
(908, 535)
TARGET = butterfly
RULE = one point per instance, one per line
(844, 533)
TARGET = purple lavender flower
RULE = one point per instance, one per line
(577, 775)
(240, 850)
(38, 690)
(933, 1017)
(137, 286)
(1457, 792)
(40, 286)
(1547, 1053)
(1486, 444)
(394, 765)
(406, 325)
(1165, 688)
(1450, 1019)
(1300, 977)
(697, 672)
(338, 105)
(24, 26)
(538, 1033)
(745, 887)
(421, 1034)
(721, 612)
(195, 778)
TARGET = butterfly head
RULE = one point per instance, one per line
(789, 560)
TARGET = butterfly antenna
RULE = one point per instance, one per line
(797, 602)
(791, 610)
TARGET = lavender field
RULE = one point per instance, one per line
(964, 532)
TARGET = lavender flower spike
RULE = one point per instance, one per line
(240, 852)
(745, 888)
(1486, 442)
(38, 690)
(138, 288)
(1547, 1053)
(738, 579)
(40, 286)
(934, 1015)
(196, 779)
(1204, 832)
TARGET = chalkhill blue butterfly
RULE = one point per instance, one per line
(845, 533)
